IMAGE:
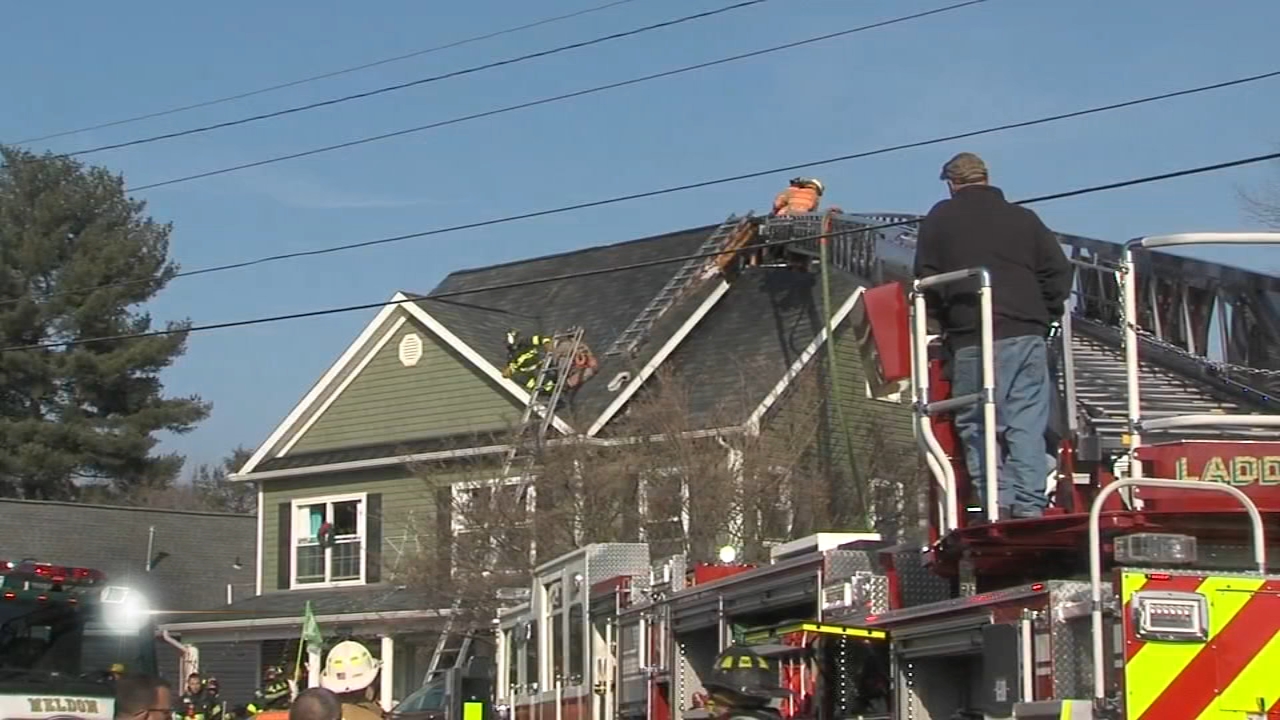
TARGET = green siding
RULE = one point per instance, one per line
(442, 395)
(408, 512)
(879, 431)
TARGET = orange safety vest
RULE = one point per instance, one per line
(796, 201)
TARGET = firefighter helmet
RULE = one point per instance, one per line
(272, 672)
(348, 668)
(740, 671)
(814, 183)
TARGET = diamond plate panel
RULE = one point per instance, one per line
(918, 583)
(608, 560)
(842, 564)
(1071, 638)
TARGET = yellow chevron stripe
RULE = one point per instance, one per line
(1257, 680)
(1157, 664)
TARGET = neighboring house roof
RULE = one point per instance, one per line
(199, 548)
(378, 598)
(741, 338)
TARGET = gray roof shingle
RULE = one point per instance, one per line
(200, 547)
(328, 601)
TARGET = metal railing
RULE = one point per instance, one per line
(936, 457)
(1095, 553)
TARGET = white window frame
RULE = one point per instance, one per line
(643, 500)
(785, 502)
(296, 527)
(459, 527)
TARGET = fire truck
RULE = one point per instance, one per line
(1144, 592)
(63, 630)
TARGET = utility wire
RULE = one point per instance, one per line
(667, 190)
(327, 75)
(554, 98)
(421, 81)
(1088, 190)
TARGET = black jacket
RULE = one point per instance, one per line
(1030, 275)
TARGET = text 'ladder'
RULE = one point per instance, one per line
(554, 360)
(667, 296)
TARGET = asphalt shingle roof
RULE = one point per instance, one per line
(603, 305)
(750, 339)
(330, 601)
(200, 547)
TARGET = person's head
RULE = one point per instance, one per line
(143, 697)
(315, 704)
(964, 170)
(193, 683)
(349, 670)
(211, 686)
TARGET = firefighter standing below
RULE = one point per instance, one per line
(191, 702)
(273, 695)
(743, 684)
(212, 704)
(802, 197)
(349, 672)
(1030, 278)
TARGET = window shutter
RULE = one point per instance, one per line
(373, 538)
(285, 545)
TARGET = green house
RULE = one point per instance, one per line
(416, 413)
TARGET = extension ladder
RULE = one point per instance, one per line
(638, 330)
(555, 361)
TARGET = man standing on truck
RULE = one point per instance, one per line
(1030, 278)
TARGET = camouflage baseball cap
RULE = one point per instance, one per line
(965, 167)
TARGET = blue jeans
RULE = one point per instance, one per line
(1023, 391)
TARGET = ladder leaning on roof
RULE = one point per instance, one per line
(556, 361)
(726, 237)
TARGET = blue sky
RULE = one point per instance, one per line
(1002, 61)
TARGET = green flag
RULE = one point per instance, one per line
(311, 630)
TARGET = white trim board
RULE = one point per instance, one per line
(658, 358)
(249, 623)
(319, 389)
(837, 317)
(351, 465)
(320, 392)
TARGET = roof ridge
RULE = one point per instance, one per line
(130, 508)
(579, 251)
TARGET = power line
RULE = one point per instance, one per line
(633, 266)
(554, 98)
(674, 188)
(421, 81)
(330, 74)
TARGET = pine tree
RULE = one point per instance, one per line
(90, 412)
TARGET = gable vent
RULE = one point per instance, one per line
(410, 349)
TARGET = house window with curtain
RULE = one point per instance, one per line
(328, 540)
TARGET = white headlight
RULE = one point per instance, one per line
(124, 609)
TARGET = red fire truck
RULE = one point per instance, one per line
(1144, 593)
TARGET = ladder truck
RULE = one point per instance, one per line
(63, 632)
(1145, 592)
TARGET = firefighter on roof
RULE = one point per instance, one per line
(274, 694)
(524, 356)
(802, 197)
(742, 681)
(349, 672)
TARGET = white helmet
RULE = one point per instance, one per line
(349, 668)
(816, 184)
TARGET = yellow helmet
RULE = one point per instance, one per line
(349, 668)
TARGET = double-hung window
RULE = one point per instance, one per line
(329, 540)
